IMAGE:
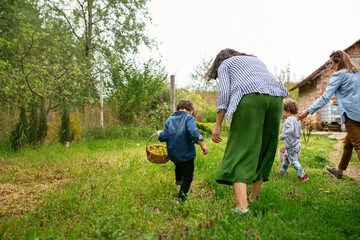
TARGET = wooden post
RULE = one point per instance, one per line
(172, 94)
(101, 103)
(163, 111)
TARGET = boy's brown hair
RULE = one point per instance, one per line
(290, 106)
(185, 104)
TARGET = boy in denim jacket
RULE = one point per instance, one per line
(180, 134)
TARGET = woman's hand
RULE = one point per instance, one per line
(216, 135)
(303, 114)
(217, 130)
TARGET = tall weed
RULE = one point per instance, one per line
(117, 132)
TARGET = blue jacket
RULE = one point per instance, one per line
(346, 87)
(180, 134)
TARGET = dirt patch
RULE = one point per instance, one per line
(351, 171)
(19, 198)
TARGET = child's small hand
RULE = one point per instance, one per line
(158, 132)
(204, 149)
(279, 139)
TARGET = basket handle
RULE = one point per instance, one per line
(149, 139)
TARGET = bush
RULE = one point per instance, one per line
(118, 132)
(208, 115)
(33, 123)
(43, 127)
(65, 127)
(75, 128)
(156, 115)
(19, 135)
(204, 130)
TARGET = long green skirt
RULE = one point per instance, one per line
(252, 141)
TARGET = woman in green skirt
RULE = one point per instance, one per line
(254, 97)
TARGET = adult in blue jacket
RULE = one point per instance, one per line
(345, 84)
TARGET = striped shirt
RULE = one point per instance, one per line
(241, 75)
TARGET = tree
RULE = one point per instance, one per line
(33, 123)
(14, 14)
(104, 27)
(43, 127)
(198, 76)
(288, 79)
(105, 30)
(133, 88)
(47, 69)
(65, 126)
(19, 135)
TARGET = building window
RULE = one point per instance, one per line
(356, 60)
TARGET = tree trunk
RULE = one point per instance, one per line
(89, 28)
(101, 103)
(88, 37)
(163, 111)
(172, 94)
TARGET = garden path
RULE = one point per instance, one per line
(351, 171)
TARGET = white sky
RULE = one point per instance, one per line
(302, 33)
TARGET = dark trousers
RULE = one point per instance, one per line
(184, 173)
(351, 141)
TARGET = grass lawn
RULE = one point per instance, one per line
(106, 189)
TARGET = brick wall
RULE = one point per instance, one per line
(307, 96)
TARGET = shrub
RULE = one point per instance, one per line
(156, 115)
(204, 129)
(208, 115)
(75, 128)
(19, 135)
(43, 127)
(33, 123)
(64, 132)
(118, 132)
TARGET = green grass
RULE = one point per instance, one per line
(106, 189)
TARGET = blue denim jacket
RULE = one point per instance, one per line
(346, 86)
(180, 134)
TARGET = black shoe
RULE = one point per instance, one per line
(181, 200)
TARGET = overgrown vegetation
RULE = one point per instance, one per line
(65, 127)
(33, 123)
(19, 135)
(102, 186)
(107, 189)
(51, 55)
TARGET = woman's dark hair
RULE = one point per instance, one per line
(291, 106)
(185, 104)
(220, 57)
(344, 61)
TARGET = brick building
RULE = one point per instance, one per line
(313, 86)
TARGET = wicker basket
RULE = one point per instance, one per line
(155, 157)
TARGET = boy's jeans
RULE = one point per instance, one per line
(184, 173)
(291, 156)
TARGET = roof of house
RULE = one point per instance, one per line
(320, 70)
